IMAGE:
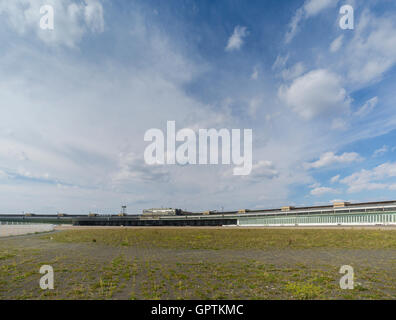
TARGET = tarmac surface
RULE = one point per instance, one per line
(22, 229)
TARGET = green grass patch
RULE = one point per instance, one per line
(218, 239)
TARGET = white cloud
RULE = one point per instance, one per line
(280, 62)
(318, 92)
(310, 9)
(107, 109)
(372, 50)
(313, 7)
(339, 124)
(255, 74)
(294, 24)
(335, 178)
(319, 191)
(3, 174)
(133, 168)
(314, 185)
(254, 104)
(380, 151)
(337, 43)
(293, 72)
(22, 172)
(374, 179)
(263, 169)
(329, 158)
(71, 19)
(116, 103)
(235, 41)
(368, 106)
(94, 15)
(92, 111)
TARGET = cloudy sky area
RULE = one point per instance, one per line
(75, 102)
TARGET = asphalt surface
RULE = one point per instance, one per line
(22, 229)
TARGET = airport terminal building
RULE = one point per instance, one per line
(340, 213)
(337, 214)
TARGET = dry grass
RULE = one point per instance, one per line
(219, 239)
(200, 264)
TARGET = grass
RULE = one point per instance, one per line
(302, 290)
(220, 239)
(200, 264)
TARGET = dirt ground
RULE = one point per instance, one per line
(93, 270)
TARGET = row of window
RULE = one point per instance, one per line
(367, 218)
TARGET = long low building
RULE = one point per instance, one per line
(374, 213)
(340, 213)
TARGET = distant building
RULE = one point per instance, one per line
(161, 212)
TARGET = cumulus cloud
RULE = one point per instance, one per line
(374, 179)
(329, 158)
(71, 19)
(72, 116)
(263, 169)
(316, 93)
(319, 191)
(236, 40)
(372, 50)
(134, 168)
(116, 103)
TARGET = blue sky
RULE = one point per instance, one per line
(76, 102)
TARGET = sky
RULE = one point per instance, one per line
(76, 101)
